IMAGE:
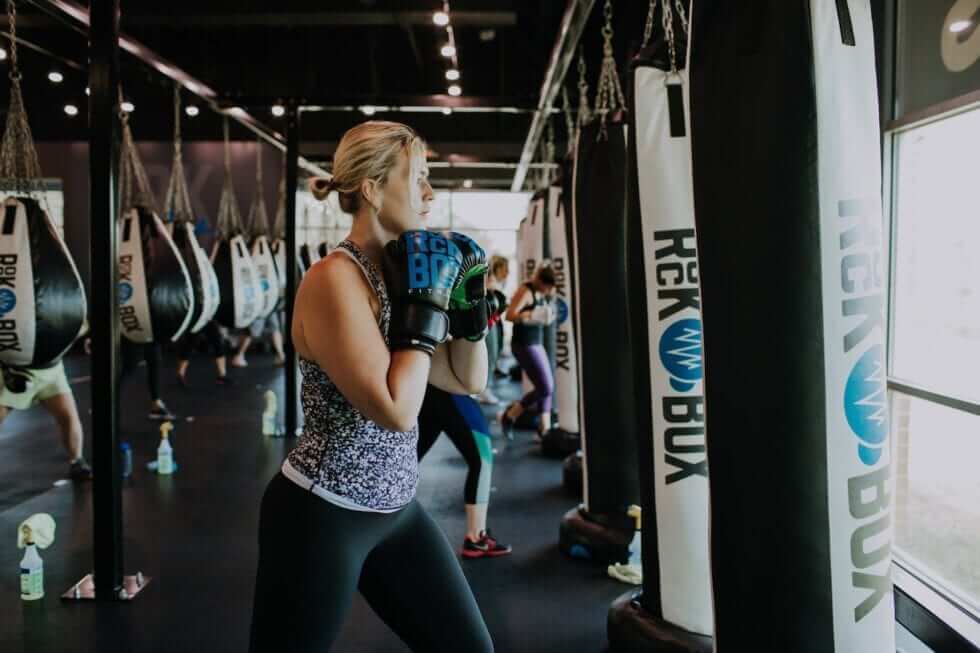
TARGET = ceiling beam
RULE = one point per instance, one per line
(572, 26)
(318, 19)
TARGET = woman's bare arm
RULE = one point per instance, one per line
(341, 331)
(460, 367)
(515, 306)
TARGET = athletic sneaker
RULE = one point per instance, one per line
(161, 413)
(485, 547)
(80, 471)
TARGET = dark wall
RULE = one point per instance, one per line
(203, 164)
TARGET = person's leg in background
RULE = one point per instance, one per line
(159, 410)
(534, 361)
(216, 345)
(185, 349)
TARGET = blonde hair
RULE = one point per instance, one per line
(497, 262)
(368, 151)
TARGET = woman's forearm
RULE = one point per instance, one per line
(469, 363)
(407, 377)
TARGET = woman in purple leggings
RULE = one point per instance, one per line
(531, 309)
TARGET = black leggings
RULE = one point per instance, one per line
(132, 353)
(211, 333)
(441, 413)
(314, 555)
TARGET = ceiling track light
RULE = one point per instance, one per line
(448, 51)
(440, 18)
(368, 110)
(3, 54)
(452, 74)
(447, 111)
(55, 77)
(71, 110)
(278, 110)
(455, 90)
(128, 107)
(191, 110)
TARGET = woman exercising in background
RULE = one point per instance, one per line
(499, 271)
(341, 516)
(531, 310)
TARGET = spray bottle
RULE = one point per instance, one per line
(165, 453)
(636, 549)
(36, 532)
(269, 422)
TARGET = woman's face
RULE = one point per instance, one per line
(501, 273)
(406, 195)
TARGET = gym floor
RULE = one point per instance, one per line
(195, 533)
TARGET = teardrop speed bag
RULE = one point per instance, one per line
(156, 299)
(203, 279)
(265, 270)
(42, 301)
(238, 281)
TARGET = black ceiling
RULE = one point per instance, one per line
(343, 52)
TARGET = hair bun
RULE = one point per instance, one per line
(321, 187)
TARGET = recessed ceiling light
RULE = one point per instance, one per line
(446, 111)
(55, 77)
(958, 26)
(455, 90)
(368, 110)
(487, 35)
(448, 51)
(278, 110)
(452, 74)
(128, 107)
(191, 110)
(440, 18)
(3, 54)
(71, 109)
(88, 91)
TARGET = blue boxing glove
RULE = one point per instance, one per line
(420, 271)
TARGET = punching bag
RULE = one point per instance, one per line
(203, 280)
(564, 439)
(241, 298)
(156, 298)
(262, 258)
(665, 316)
(791, 242)
(308, 256)
(42, 301)
(601, 529)
(241, 295)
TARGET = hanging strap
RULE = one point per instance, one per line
(584, 106)
(134, 186)
(177, 204)
(609, 97)
(279, 227)
(258, 217)
(229, 215)
(20, 168)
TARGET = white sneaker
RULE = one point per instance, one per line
(487, 397)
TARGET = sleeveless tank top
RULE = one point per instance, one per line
(528, 334)
(342, 456)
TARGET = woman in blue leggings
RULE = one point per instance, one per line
(530, 310)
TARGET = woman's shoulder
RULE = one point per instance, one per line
(335, 274)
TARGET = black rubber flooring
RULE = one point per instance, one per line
(195, 533)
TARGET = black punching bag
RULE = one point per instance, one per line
(673, 611)
(42, 302)
(600, 529)
(156, 299)
(787, 188)
(204, 281)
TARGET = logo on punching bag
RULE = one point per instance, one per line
(865, 406)
(124, 291)
(8, 300)
(561, 310)
(680, 353)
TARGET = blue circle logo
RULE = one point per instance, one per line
(866, 405)
(7, 300)
(124, 291)
(561, 308)
(680, 354)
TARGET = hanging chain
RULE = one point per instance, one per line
(609, 97)
(177, 204)
(229, 215)
(648, 27)
(258, 218)
(549, 154)
(683, 14)
(566, 109)
(279, 226)
(584, 107)
(668, 23)
(20, 167)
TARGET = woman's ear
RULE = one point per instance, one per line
(372, 194)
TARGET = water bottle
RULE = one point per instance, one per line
(31, 569)
(126, 453)
(165, 453)
(636, 546)
(269, 422)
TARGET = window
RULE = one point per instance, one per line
(934, 362)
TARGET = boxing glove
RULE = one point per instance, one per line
(495, 308)
(468, 313)
(542, 314)
(420, 270)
